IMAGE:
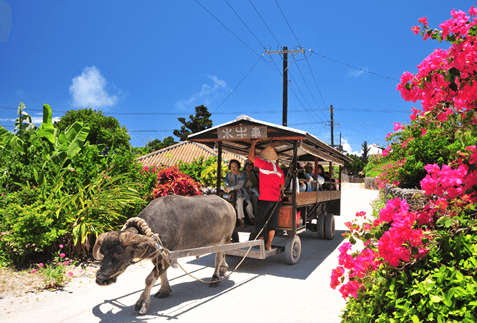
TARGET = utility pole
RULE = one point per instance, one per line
(332, 124)
(285, 52)
(285, 86)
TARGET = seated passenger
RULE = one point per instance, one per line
(251, 189)
(234, 181)
(311, 177)
(302, 179)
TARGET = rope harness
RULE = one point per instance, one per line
(159, 246)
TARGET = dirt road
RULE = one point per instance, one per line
(260, 290)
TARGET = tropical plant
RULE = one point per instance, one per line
(419, 265)
(105, 131)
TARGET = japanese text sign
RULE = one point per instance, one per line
(242, 132)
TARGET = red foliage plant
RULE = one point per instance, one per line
(170, 181)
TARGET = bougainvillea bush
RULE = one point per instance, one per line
(170, 181)
(420, 266)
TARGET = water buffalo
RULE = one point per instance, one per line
(178, 222)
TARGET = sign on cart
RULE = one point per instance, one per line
(242, 132)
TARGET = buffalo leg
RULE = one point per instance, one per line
(165, 287)
(142, 304)
(219, 266)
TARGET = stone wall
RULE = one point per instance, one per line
(370, 183)
(351, 179)
(414, 197)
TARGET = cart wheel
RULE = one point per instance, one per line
(329, 226)
(293, 250)
(320, 226)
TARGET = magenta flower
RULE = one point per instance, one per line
(61, 246)
(66, 262)
(40, 264)
(33, 271)
(71, 274)
(62, 255)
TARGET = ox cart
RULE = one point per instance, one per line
(299, 212)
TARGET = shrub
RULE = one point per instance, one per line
(420, 266)
(172, 181)
(29, 228)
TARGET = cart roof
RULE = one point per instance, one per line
(236, 138)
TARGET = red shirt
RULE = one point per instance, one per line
(270, 179)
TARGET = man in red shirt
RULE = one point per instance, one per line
(272, 182)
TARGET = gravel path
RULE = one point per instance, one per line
(260, 289)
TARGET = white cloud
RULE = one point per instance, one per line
(88, 90)
(206, 95)
(39, 120)
(347, 147)
(357, 73)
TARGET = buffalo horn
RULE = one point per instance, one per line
(97, 246)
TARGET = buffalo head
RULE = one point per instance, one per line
(117, 250)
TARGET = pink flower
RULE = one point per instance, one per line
(61, 246)
(40, 264)
(33, 271)
(423, 20)
(70, 273)
(415, 29)
(62, 255)
(66, 262)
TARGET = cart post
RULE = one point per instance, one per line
(294, 188)
(219, 166)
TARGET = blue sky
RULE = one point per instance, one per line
(147, 63)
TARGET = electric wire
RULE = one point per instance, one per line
(296, 84)
(227, 28)
(361, 69)
(243, 22)
(255, 112)
(316, 83)
(287, 23)
(264, 22)
(299, 70)
(238, 84)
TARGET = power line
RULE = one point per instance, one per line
(237, 85)
(181, 114)
(302, 95)
(227, 28)
(361, 69)
(244, 23)
(287, 23)
(264, 22)
(309, 89)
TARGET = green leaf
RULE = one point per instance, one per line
(453, 86)
(454, 71)
(46, 129)
(415, 319)
(436, 299)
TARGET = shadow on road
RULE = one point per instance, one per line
(188, 294)
(313, 253)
